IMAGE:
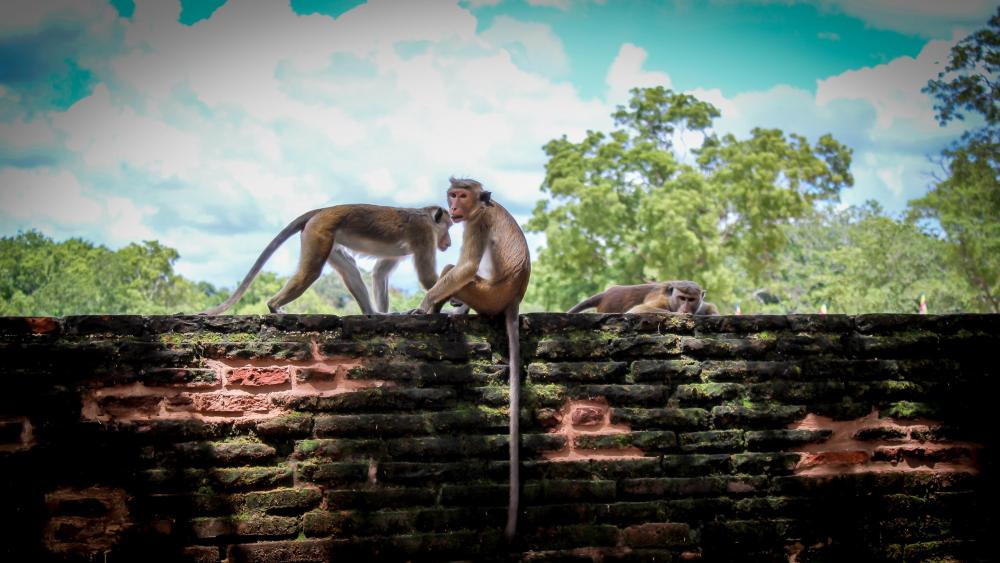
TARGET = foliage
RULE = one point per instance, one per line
(39, 276)
(970, 83)
(626, 207)
(42, 277)
(966, 204)
(857, 260)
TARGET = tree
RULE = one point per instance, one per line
(966, 204)
(857, 260)
(626, 207)
(41, 277)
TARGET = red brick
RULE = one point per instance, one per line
(258, 377)
(657, 535)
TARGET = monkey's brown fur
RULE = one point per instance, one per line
(388, 233)
(494, 245)
(662, 297)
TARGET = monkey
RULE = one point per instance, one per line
(663, 297)
(491, 277)
(388, 233)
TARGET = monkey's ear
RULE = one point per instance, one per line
(485, 197)
(669, 289)
(438, 213)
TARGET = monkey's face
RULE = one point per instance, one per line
(461, 203)
(444, 239)
(685, 302)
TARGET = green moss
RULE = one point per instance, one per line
(763, 335)
(544, 393)
(181, 338)
(307, 446)
(903, 409)
(491, 411)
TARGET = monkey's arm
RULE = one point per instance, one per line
(473, 250)
(707, 309)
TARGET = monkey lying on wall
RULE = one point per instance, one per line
(663, 297)
(387, 233)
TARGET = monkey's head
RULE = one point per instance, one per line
(685, 296)
(465, 197)
(441, 222)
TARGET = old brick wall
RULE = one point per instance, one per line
(646, 438)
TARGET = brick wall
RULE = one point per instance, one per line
(645, 438)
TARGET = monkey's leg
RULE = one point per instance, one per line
(315, 249)
(348, 270)
(380, 282)
(484, 297)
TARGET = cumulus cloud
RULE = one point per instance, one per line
(537, 47)
(927, 18)
(627, 72)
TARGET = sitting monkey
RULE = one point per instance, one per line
(663, 297)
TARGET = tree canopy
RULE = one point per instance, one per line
(626, 207)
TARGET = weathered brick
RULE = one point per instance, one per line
(333, 474)
(772, 416)
(713, 441)
(666, 534)
(224, 453)
(553, 490)
(258, 376)
(673, 418)
(660, 487)
(564, 537)
(382, 497)
(648, 441)
(300, 551)
(770, 440)
(707, 393)
(371, 400)
(598, 372)
(282, 501)
(294, 425)
(726, 347)
(242, 478)
(665, 371)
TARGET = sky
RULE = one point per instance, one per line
(209, 125)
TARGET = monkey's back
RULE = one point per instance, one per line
(621, 298)
(509, 250)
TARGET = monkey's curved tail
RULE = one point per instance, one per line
(587, 303)
(512, 321)
(295, 226)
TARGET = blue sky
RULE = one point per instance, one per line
(209, 125)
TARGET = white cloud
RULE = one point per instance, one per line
(543, 50)
(627, 72)
(924, 17)
(893, 89)
(46, 196)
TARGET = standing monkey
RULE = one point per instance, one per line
(388, 233)
(663, 297)
(491, 277)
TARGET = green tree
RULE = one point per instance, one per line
(855, 261)
(41, 277)
(626, 207)
(966, 203)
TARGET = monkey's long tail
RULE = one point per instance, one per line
(587, 303)
(514, 351)
(295, 226)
